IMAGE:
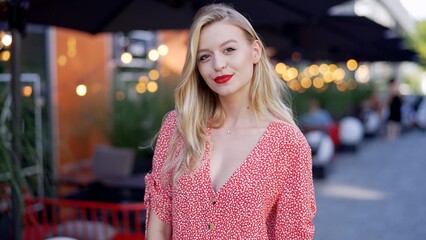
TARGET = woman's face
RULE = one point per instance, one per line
(226, 59)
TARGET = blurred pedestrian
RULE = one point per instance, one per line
(317, 118)
(230, 162)
(371, 115)
(393, 126)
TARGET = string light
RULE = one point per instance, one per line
(6, 40)
(81, 90)
(154, 74)
(5, 56)
(153, 55)
(152, 87)
(280, 68)
(163, 50)
(126, 57)
(27, 91)
(141, 87)
(352, 65)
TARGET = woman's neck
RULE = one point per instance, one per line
(239, 114)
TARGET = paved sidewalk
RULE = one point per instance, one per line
(378, 192)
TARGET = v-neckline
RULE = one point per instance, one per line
(242, 165)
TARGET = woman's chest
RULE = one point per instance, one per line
(258, 180)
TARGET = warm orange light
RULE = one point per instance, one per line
(332, 67)
(120, 96)
(352, 64)
(323, 68)
(294, 85)
(143, 79)
(5, 56)
(152, 87)
(342, 86)
(71, 47)
(328, 77)
(339, 74)
(154, 74)
(306, 82)
(141, 87)
(318, 82)
(293, 72)
(286, 76)
(313, 70)
(27, 91)
(62, 60)
(280, 68)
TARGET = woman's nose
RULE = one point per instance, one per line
(219, 63)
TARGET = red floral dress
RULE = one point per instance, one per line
(270, 196)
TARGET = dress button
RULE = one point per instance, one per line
(213, 200)
(212, 226)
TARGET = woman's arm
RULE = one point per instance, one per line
(296, 207)
(158, 200)
(158, 230)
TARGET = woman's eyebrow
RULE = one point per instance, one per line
(221, 45)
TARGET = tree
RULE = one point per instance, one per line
(418, 42)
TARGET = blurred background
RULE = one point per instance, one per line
(84, 87)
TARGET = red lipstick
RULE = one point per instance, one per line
(223, 78)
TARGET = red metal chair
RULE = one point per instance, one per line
(44, 217)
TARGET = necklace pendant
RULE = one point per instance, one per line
(228, 131)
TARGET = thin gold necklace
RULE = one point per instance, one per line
(228, 130)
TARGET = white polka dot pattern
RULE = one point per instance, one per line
(270, 196)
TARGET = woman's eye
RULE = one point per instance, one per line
(230, 49)
(203, 58)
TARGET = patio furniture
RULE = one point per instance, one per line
(109, 171)
(84, 220)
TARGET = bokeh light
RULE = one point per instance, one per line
(152, 87)
(141, 87)
(144, 79)
(5, 56)
(306, 82)
(280, 68)
(120, 96)
(126, 57)
(154, 74)
(81, 90)
(153, 55)
(62, 60)
(6, 40)
(352, 64)
(27, 91)
(163, 50)
(362, 74)
(318, 82)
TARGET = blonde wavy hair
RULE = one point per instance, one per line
(197, 105)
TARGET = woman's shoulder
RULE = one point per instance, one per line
(288, 135)
(169, 120)
(291, 142)
(168, 127)
(284, 129)
(170, 116)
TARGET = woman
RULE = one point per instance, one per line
(394, 107)
(229, 162)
